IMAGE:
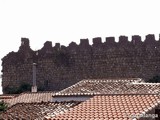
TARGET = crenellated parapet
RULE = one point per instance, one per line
(123, 40)
(24, 43)
(60, 66)
(136, 40)
(97, 42)
(110, 41)
(25, 52)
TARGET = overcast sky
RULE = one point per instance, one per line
(65, 21)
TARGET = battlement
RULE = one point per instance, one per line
(97, 41)
(123, 42)
(110, 40)
(24, 42)
(150, 39)
(136, 40)
(84, 42)
(60, 66)
(48, 44)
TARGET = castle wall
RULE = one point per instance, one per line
(59, 66)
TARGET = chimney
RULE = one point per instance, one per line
(34, 86)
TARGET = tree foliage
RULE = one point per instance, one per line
(3, 106)
(24, 87)
(155, 79)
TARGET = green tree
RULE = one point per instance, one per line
(22, 88)
(3, 106)
(155, 79)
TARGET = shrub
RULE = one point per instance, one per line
(3, 106)
(155, 79)
(22, 88)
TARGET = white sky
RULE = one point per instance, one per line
(65, 21)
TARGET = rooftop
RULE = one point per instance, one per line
(30, 98)
(117, 107)
(36, 111)
(117, 99)
(110, 86)
(7, 96)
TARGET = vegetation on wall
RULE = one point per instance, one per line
(41, 88)
(155, 79)
(24, 87)
(3, 106)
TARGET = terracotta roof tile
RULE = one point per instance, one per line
(7, 96)
(114, 101)
(30, 98)
(110, 86)
(36, 111)
(111, 107)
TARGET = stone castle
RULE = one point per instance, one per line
(59, 67)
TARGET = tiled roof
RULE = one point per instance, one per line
(36, 111)
(31, 97)
(107, 86)
(7, 96)
(143, 88)
(111, 107)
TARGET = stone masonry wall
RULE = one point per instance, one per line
(59, 66)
